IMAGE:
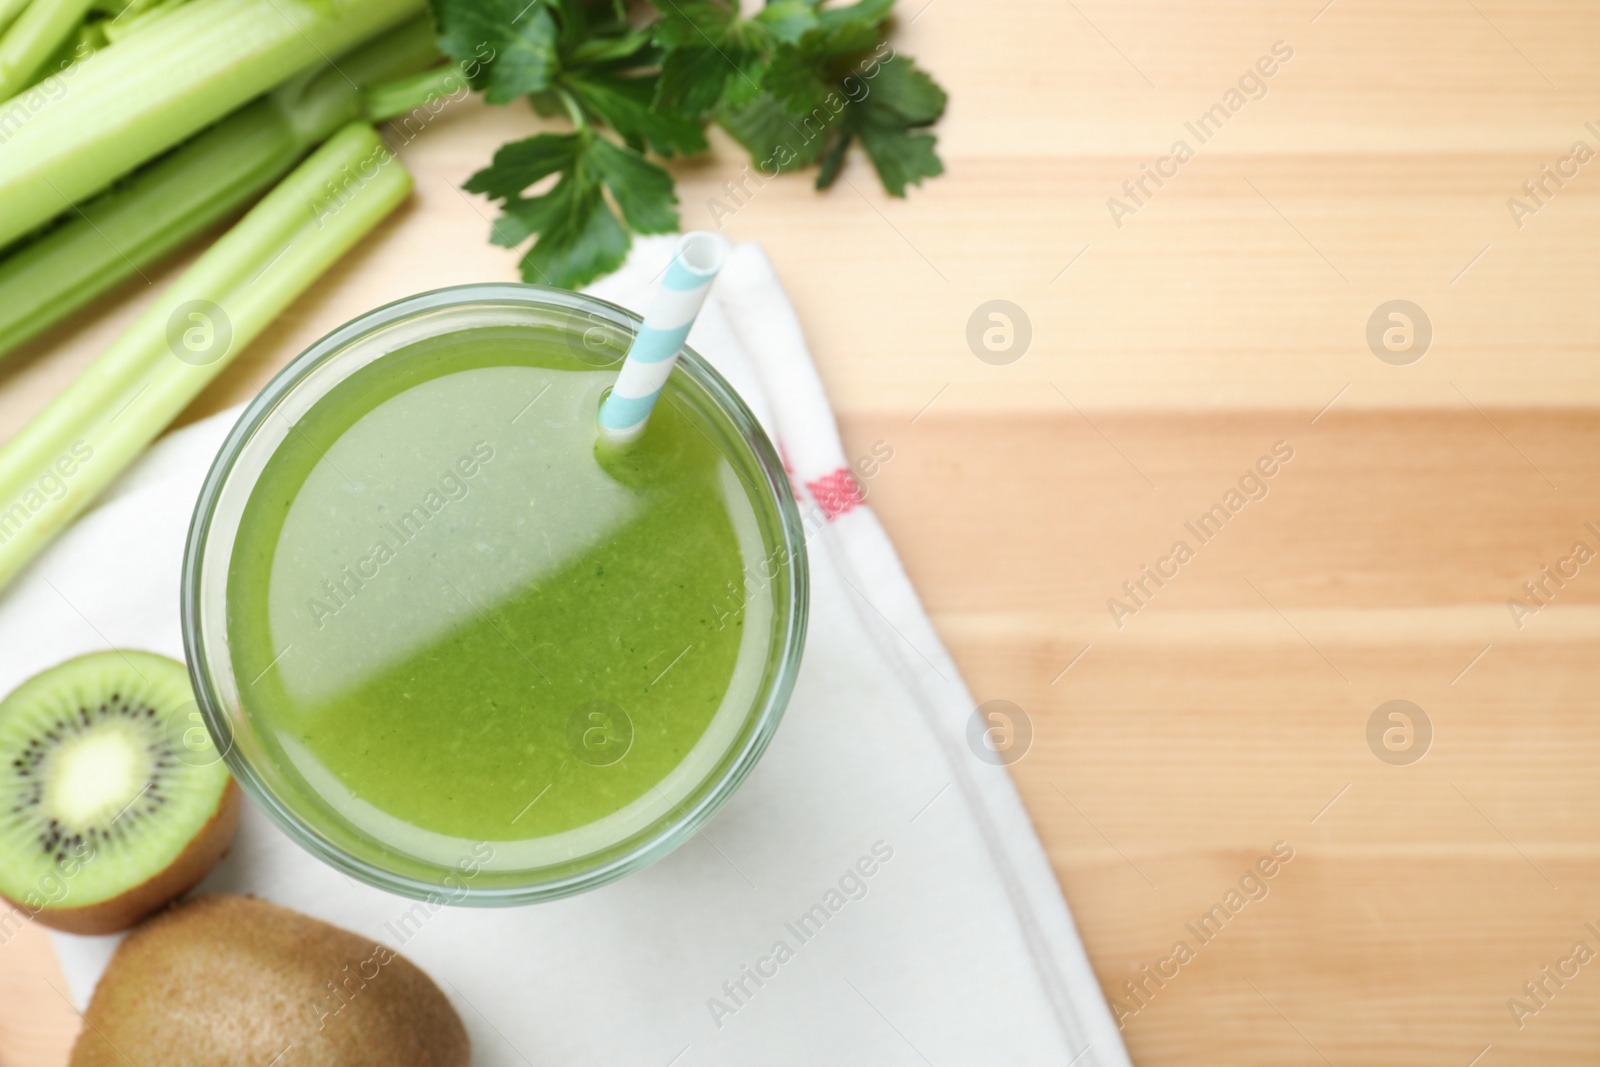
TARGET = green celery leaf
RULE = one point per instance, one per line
(508, 46)
(776, 82)
(521, 163)
(902, 98)
(799, 83)
(624, 105)
(547, 104)
(589, 243)
(692, 80)
(909, 93)
(870, 12)
(707, 44)
(840, 39)
(624, 48)
(744, 84)
(522, 218)
(642, 190)
(901, 158)
(787, 20)
(584, 20)
(775, 139)
(693, 23)
(833, 159)
(579, 238)
(576, 235)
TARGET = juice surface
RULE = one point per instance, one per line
(445, 609)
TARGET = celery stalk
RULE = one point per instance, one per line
(9, 10)
(164, 206)
(399, 53)
(132, 101)
(395, 98)
(84, 41)
(136, 17)
(181, 342)
(34, 38)
(173, 200)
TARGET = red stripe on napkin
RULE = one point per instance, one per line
(836, 493)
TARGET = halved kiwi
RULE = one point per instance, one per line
(113, 799)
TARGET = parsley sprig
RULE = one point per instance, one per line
(796, 85)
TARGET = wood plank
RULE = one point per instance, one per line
(1178, 748)
(37, 1026)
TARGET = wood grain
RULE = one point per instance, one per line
(1227, 314)
(37, 1023)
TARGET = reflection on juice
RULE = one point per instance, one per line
(455, 622)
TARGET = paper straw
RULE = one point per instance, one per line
(650, 360)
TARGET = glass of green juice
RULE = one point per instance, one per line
(457, 647)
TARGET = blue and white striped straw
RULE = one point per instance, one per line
(650, 360)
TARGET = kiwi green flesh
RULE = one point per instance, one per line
(106, 776)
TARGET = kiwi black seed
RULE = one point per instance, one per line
(113, 798)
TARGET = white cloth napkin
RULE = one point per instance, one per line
(957, 949)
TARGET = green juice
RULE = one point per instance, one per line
(453, 620)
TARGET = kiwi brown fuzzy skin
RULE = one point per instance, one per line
(122, 911)
(231, 981)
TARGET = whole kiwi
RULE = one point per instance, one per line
(229, 981)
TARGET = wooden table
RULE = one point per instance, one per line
(1227, 313)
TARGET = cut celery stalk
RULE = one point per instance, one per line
(130, 102)
(59, 462)
(36, 35)
(192, 189)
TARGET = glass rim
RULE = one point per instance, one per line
(667, 831)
